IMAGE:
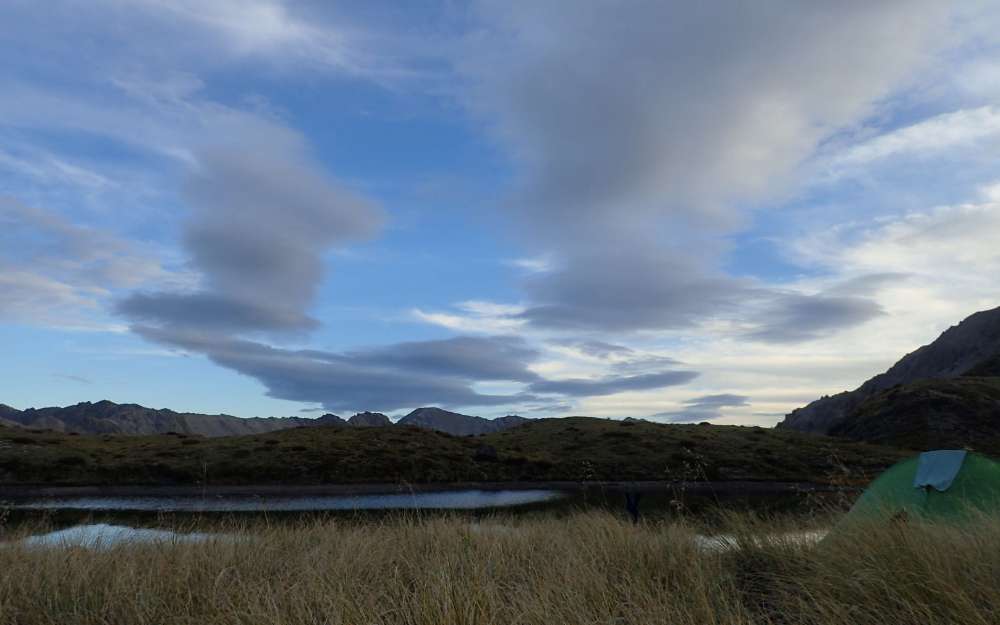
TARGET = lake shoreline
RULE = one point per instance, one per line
(306, 490)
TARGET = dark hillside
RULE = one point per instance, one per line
(931, 414)
(571, 449)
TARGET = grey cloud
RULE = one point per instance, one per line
(217, 312)
(613, 384)
(640, 288)
(403, 375)
(704, 408)
(624, 360)
(640, 363)
(263, 217)
(479, 358)
(616, 106)
(643, 289)
(722, 399)
(354, 381)
(548, 408)
(642, 132)
(794, 318)
(868, 284)
(343, 386)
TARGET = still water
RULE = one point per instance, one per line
(102, 536)
(441, 500)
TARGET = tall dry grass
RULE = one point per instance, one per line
(586, 569)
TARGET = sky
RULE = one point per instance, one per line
(669, 210)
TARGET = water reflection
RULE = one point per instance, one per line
(444, 500)
(101, 535)
(104, 536)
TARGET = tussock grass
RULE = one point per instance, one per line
(590, 568)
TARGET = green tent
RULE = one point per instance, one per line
(971, 483)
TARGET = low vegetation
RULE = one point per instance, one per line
(589, 568)
(572, 449)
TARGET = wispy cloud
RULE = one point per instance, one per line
(609, 385)
(475, 317)
(948, 131)
(72, 378)
(55, 272)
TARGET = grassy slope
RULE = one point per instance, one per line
(554, 449)
(590, 568)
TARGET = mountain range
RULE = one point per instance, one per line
(106, 417)
(944, 394)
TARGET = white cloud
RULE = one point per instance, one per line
(537, 264)
(271, 29)
(477, 317)
(945, 260)
(947, 131)
(960, 242)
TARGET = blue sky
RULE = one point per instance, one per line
(640, 209)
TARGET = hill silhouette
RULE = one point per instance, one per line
(107, 417)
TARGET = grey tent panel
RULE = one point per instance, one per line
(938, 469)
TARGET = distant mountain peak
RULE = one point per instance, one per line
(331, 419)
(369, 419)
(431, 410)
(457, 424)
